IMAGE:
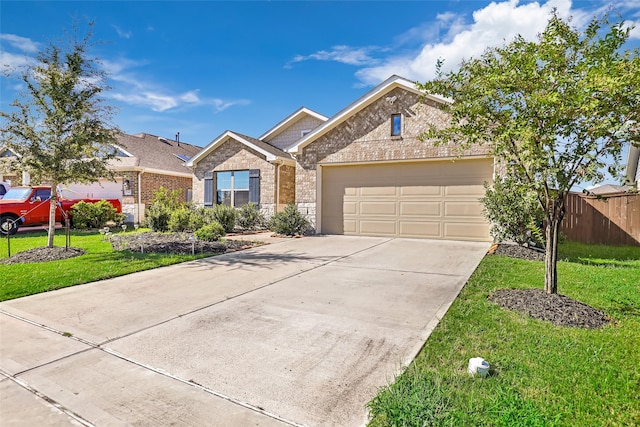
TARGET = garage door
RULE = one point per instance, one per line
(437, 199)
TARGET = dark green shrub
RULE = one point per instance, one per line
(157, 218)
(513, 210)
(179, 220)
(249, 217)
(163, 204)
(289, 222)
(94, 215)
(210, 232)
(223, 215)
(195, 221)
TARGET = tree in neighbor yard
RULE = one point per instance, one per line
(60, 126)
(556, 111)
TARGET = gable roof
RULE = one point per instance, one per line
(367, 99)
(293, 117)
(269, 151)
(152, 152)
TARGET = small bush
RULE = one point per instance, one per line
(249, 217)
(157, 218)
(223, 215)
(289, 222)
(210, 232)
(94, 215)
(163, 204)
(179, 220)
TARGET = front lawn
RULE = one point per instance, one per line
(99, 262)
(541, 375)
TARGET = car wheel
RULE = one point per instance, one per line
(8, 225)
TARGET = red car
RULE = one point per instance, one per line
(25, 206)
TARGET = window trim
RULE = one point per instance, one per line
(393, 119)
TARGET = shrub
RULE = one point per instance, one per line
(513, 210)
(94, 215)
(179, 220)
(289, 222)
(157, 218)
(163, 204)
(223, 215)
(210, 232)
(249, 217)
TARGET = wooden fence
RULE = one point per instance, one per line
(614, 220)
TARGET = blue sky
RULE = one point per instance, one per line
(200, 68)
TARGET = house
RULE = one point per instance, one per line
(363, 171)
(144, 163)
(633, 168)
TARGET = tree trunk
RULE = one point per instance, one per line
(555, 213)
(53, 205)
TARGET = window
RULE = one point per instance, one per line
(237, 188)
(396, 124)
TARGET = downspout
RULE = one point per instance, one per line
(140, 173)
(278, 164)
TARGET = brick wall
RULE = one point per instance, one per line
(287, 185)
(151, 182)
(366, 137)
(294, 132)
(233, 155)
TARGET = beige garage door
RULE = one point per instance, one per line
(437, 200)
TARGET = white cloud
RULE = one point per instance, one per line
(344, 54)
(122, 33)
(492, 26)
(12, 62)
(21, 43)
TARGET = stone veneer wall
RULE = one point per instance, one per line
(366, 137)
(233, 155)
(293, 132)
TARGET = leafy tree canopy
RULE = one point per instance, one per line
(60, 126)
(557, 111)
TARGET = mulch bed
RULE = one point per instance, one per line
(42, 255)
(167, 243)
(557, 309)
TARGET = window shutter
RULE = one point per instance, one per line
(208, 189)
(254, 186)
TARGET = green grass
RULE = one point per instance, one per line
(541, 375)
(100, 262)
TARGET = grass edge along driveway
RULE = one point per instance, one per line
(541, 374)
(100, 262)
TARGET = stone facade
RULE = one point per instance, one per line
(232, 155)
(366, 137)
(293, 132)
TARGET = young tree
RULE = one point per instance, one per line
(557, 110)
(60, 125)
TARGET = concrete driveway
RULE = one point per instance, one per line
(301, 332)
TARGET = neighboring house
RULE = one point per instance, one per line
(361, 172)
(633, 167)
(144, 164)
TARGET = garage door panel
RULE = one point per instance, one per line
(469, 208)
(424, 229)
(377, 208)
(466, 190)
(428, 199)
(377, 191)
(420, 191)
(466, 230)
(378, 227)
(350, 226)
(431, 209)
